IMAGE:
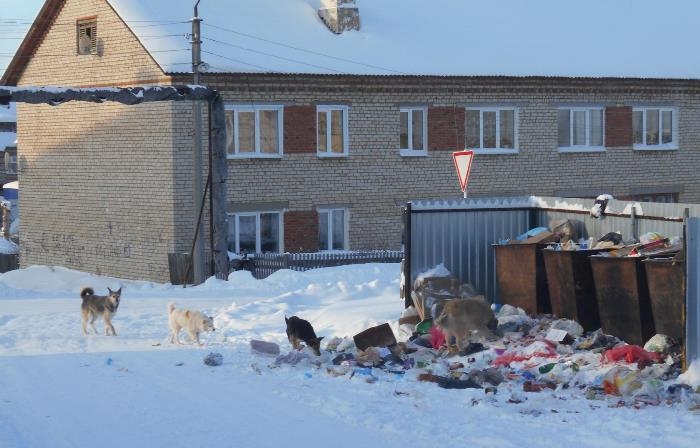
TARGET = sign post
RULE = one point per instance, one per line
(463, 164)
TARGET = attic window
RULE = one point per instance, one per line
(87, 36)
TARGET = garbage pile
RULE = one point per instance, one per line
(531, 354)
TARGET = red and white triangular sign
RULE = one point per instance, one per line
(463, 164)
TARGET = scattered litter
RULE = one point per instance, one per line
(264, 347)
(213, 359)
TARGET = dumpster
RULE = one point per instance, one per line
(571, 286)
(623, 298)
(521, 277)
(666, 283)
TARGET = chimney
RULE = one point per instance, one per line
(339, 15)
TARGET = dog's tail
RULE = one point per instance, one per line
(171, 307)
(86, 292)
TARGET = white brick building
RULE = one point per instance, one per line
(325, 147)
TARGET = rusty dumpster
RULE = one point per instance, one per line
(521, 277)
(666, 283)
(623, 298)
(571, 286)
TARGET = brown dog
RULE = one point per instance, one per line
(466, 319)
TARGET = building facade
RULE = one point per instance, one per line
(316, 162)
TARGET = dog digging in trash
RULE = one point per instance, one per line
(301, 330)
(466, 319)
(94, 305)
(194, 323)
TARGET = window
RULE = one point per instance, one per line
(254, 232)
(10, 163)
(655, 128)
(254, 131)
(87, 36)
(491, 128)
(332, 131)
(413, 131)
(581, 128)
(333, 229)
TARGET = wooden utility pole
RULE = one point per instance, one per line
(198, 252)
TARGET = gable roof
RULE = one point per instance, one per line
(596, 38)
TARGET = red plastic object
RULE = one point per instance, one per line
(630, 353)
(437, 337)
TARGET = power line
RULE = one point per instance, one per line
(303, 50)
(272, 55)
(239, 61)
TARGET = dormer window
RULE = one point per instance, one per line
(87, 36)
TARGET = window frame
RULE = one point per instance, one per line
(81, 26)
(329, 230)
(256, 109)
(586, 147)
(410, 151)
(495, 150)
(258, 239)
(672, 145)
(328, 110)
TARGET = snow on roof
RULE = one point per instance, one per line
(597, 38)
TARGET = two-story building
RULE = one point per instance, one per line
(340, 111)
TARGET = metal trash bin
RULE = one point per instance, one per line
(623, 298)
(666, 283)
(571, 285)
(521, 277)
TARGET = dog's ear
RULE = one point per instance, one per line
(319, 339)
(187, 314)
(119, 291)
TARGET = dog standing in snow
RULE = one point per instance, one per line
(301, 330)
(466, 319)
(94, 305)
(194, 323)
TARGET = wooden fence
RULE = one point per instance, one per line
(262, 265)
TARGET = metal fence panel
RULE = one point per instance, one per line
(692, 321)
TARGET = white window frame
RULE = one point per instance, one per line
(256, 108)
(672, 145)
(587, 147)
(83, 27)
(236, 217)
(409, 151)
(329, 230)
(497, 149)
(328, 109)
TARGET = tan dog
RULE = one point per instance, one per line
(466, 319)
(94, 305)
(194, 322)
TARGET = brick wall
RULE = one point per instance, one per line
(446, 128)
(301, 231)
(299, 129)
(618, 126)
(106, 188)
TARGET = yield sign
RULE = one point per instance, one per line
(463, 163)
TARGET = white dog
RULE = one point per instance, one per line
(193, 322)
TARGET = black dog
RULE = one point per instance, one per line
(301, 330)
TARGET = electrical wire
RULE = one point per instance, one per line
(301, 49)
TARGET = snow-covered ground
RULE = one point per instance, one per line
(59, 388)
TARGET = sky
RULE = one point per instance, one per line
(15, 19)
(59, 388)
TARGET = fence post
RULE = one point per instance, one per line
(406, 265)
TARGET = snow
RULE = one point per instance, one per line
(452, 37)
(59, 388)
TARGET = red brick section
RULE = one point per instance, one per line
(618, 126)
(299, 129)
(446, 128)
(301, 231)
